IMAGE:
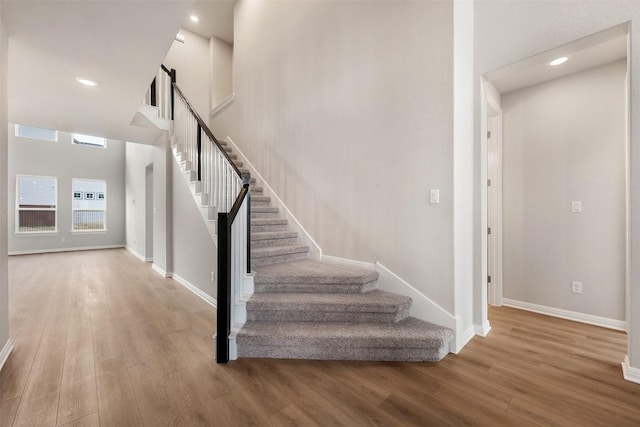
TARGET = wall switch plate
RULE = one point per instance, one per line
(576, 206)
(576, 287)
(434, 196)
(213, 276)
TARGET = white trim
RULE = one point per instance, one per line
(5, 352)
(54, 250)
(346, 261)
(160, 270)
(423, 307)
(222, 105)
(137, 254)
(196, 290)
(314, 249)
(482, 330)
(461, 339)
(605, 322)
(630, 373)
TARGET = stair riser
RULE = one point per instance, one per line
(326, 352)
(324, 316)
(255, 204)
(255, 244)
(264, 214)
(270, 227)
(315, 288)
(277, 259)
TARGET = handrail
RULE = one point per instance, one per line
(206, 129)
(223, 315)
(165, 69)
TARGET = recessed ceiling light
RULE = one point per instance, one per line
(559, 61)
(194, 18)
(86, 82)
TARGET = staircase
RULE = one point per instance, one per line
(299, 308)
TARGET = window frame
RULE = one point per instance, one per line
(18, 209)
(80, 144)
(17, 127)
(73, 209)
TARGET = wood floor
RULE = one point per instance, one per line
(100, 339)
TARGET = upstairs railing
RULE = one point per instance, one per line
(221, 186)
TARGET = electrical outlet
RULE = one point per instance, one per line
(576, 287)
(213, 276)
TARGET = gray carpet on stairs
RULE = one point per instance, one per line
(308, 309)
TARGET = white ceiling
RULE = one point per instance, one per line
(589, 52)
(119, 44)
(215, 19)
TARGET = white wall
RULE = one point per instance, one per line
(564, 140)
(194, 251)
(4, 205)
(221, 54)
(138, 157)
(346, 109)
(507, 32)
(191, 62)
(66, 161)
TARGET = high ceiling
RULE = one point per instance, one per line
(119, 44)
(215, 19)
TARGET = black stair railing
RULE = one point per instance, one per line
(227, 189)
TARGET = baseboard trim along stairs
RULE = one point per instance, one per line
(303, 307)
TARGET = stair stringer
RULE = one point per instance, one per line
(315, 252)
(240, 294)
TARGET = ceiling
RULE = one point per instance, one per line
(119, 44)
(589, 52)
(215, 19)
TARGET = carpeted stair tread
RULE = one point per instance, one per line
(260, 199)
(374, 301)
(264, 209)
(314, 272)
(271, 251)
(408, 333)
(270, 235)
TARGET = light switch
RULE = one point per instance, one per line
(576, 207)
(434, 196)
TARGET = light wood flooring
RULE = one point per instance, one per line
(100, 339)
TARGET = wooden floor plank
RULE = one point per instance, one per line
(100, 339)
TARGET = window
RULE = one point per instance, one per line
(89, 205)
(36, 204)
(36, 133)
(93, 141)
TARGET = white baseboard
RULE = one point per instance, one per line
(222, 105)
(346, 261)
(160, 270)
(630, 373)
(314, 249)
(5, 352)
(423, 307)
(605, 322)
(138, 254)
(55, 250)
(196, 290)
(462, 338)
(482, 330)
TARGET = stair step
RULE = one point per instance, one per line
(264, 212)
(257, 191)
(277, 254)
(375, 306)
(313, 276)
(268, 224)
(260, 201)
(238, 164)
(407, 340)
(273, 238)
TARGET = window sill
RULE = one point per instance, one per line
(88, 231)
(35, 234)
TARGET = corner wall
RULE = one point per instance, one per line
(346, 109)
(4, 207)
(138, 157)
